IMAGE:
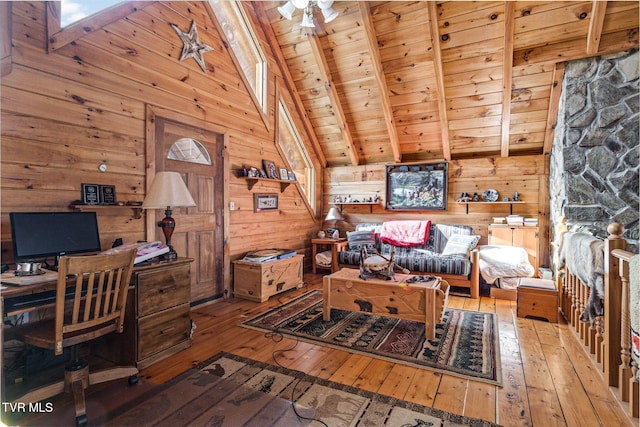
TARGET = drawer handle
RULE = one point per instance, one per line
(162, 332)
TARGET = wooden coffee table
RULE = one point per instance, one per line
(417, 301)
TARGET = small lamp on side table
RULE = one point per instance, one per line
(168, 190)
(333, 215)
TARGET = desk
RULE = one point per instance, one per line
(158, 299)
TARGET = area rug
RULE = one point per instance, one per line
(466, 343)
(233, 391)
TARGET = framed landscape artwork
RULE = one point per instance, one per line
(417, 187)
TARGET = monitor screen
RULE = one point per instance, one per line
(38, 235)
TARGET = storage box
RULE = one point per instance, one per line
(537, 299)
(259, 281)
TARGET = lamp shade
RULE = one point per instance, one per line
(307, 19)
(287, 9)
(329, 14)
(168, 190)
(334, 215)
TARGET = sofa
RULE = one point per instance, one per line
(449, 252)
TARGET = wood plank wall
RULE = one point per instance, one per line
(66, 112)
(528, 175)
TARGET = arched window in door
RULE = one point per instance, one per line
(189, 150)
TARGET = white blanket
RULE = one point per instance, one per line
(504, 262)
(583, 255)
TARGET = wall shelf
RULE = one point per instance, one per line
(251, 181)
(492, 203)
(108, 209)
(370, 204)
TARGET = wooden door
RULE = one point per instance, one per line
(199, 233)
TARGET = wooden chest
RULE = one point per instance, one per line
(258, 281)
(537, 299)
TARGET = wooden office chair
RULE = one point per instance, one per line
(91, 296)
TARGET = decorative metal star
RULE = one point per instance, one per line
(192, 46)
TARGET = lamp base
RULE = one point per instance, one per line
(172, 255)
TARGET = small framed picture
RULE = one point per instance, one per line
(270, 169)
(265, 202)
(91, 194)
(108, 195)
(292, 176)
(284, 174)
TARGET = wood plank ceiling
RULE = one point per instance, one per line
(402, 81)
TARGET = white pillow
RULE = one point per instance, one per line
(460, 245)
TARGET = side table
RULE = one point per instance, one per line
(320, 245)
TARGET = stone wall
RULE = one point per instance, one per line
(594, 161)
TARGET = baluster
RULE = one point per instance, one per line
(599, 339)
(574, 300)
(624, 371)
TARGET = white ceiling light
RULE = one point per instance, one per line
(329, 14)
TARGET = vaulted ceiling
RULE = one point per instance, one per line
(401, 81)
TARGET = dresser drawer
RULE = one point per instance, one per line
(162, 288)
(162, 330)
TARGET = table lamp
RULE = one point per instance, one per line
(168, 190)
(333, 215)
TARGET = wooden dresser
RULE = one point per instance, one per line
(158, 319)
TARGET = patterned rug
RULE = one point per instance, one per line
(232, 391)
(466, 343)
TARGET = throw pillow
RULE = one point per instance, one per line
(359, 239)
(460, 245)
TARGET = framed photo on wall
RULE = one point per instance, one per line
(284, 174)
(265, 202)
(417, 187)
(270, 169)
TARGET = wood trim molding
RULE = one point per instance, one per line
(234, 58)
(594, 35)
(554, 105)
(58, 37)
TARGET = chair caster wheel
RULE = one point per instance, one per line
(81, 420)
(133, 380)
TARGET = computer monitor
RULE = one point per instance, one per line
(39, 235)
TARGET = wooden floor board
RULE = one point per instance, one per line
(512, 400)
(549, 380)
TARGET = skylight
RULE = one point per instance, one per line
(75, 10)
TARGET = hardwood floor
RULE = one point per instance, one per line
(549, 380)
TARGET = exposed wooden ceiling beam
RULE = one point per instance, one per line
(598, 11)
(325, 75)
(376, 61)
(291, 86)
(437, 65)
(507, 77)
(554, 105)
